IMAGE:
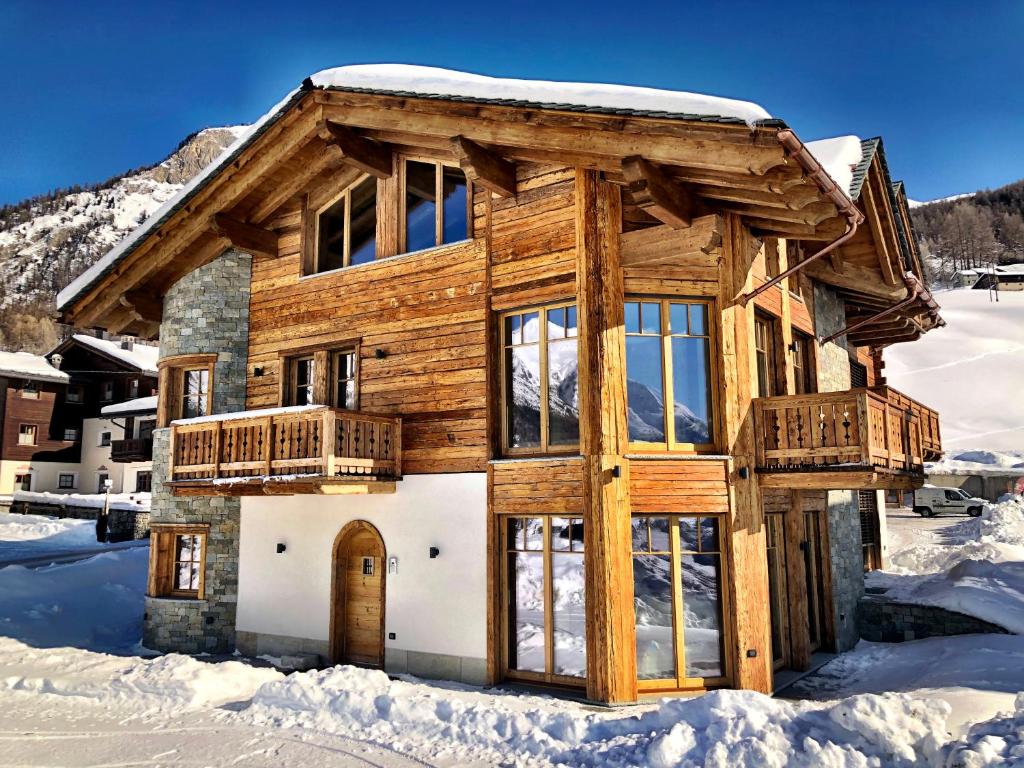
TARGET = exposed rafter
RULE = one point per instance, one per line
(245, 237)
(485, 167)
(657, 194)
(367, 155)
(143, 306)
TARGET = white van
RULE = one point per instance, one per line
(934, 500)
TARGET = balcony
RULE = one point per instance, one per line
(865, 439)
(137, 449)
(285, 451)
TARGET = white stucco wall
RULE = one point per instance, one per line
(432, 605)
(96, 458)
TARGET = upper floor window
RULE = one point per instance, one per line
(346, 228)
(107, 391)
(195, 393)
(426, 222)
(803, 363)
(30, 390)
(75, 394)
(186, 387)
(104, 439)
(143, 482)
(669, 375)
(305, 386)
(540, 386)
(133, 389)
(764, 351)
(27, 434)
(70, 434)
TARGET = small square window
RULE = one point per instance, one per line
(23, 482)
(104, 439)
(30, 390)
(75, 394)
(107, 391)
(70, 434)
(27, 434)
(144, 482)
(65, 481)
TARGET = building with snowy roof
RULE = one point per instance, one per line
(567, 384)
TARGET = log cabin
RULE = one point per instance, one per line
(572, 385)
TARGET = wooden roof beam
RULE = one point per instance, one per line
(245, 237)
(365, 154)
(658, 195)
(485, 167)
(144, 306)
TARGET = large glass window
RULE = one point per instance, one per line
(546, 597)
(677, 595)
(427, 223)
(669, 373)
(540, 380)
(346, 230)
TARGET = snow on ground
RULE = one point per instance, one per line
(25, 536)
(66, 703)
(129, 501)
(965, 370)
(970, 565)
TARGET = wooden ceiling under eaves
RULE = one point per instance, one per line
(675, 170)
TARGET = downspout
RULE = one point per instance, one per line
(796, 149)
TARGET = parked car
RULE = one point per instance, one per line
(935, 500)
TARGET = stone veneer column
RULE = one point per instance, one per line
(205, 312)
(843, 516)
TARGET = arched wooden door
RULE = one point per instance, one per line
(357, 600)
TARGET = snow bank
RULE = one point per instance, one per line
(95, 603)
(165, 684)
(967, 370)
(996, 742)
(724, 728)
(979, 462)
(978, 572)
(133, 502)
(73, 534)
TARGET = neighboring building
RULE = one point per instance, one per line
(118, 446)
(1005, 277)
(41, 431)
(496, 380)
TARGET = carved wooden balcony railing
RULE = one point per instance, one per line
(133, 449)
(858, 438)
(310, 449)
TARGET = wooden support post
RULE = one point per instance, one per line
(367, 155)
(268, 445)
(796, 583)
(327, 440)
(751, 651)
(486, 168)
(611, 633)
(656, 193)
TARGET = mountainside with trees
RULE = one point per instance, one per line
(48, 240)
(971, 231)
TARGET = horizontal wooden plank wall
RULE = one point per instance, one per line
(684, 486)
(538, 487)
(533, 238)
(687, 260)
(425, 311)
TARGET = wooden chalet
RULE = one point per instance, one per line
(493, 380)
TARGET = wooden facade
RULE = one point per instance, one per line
(592, 212)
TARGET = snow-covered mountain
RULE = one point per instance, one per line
(46, 241)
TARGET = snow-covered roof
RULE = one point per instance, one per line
(433, 82)
(141, 356)
(29, 366)
(138, 405)
(839, 157)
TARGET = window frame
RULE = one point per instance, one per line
(163, 558)
(170, 384)
(770, 352)
(31, 477)
(73, 431)
(33, 430)
(79, 394)
(100, 477)
(681, 682)
(311, 255)
(321, 356)
(106, 391)
(439, 165)
(30, 390)
(544, 448)
(671, 445)
(144, 473)
(546, 551)
(105, 438)
(60, 481)
(804, 349)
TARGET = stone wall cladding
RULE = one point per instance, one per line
(205, 312)
(843, 516)
(883, 621)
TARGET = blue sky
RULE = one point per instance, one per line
(92, 89)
